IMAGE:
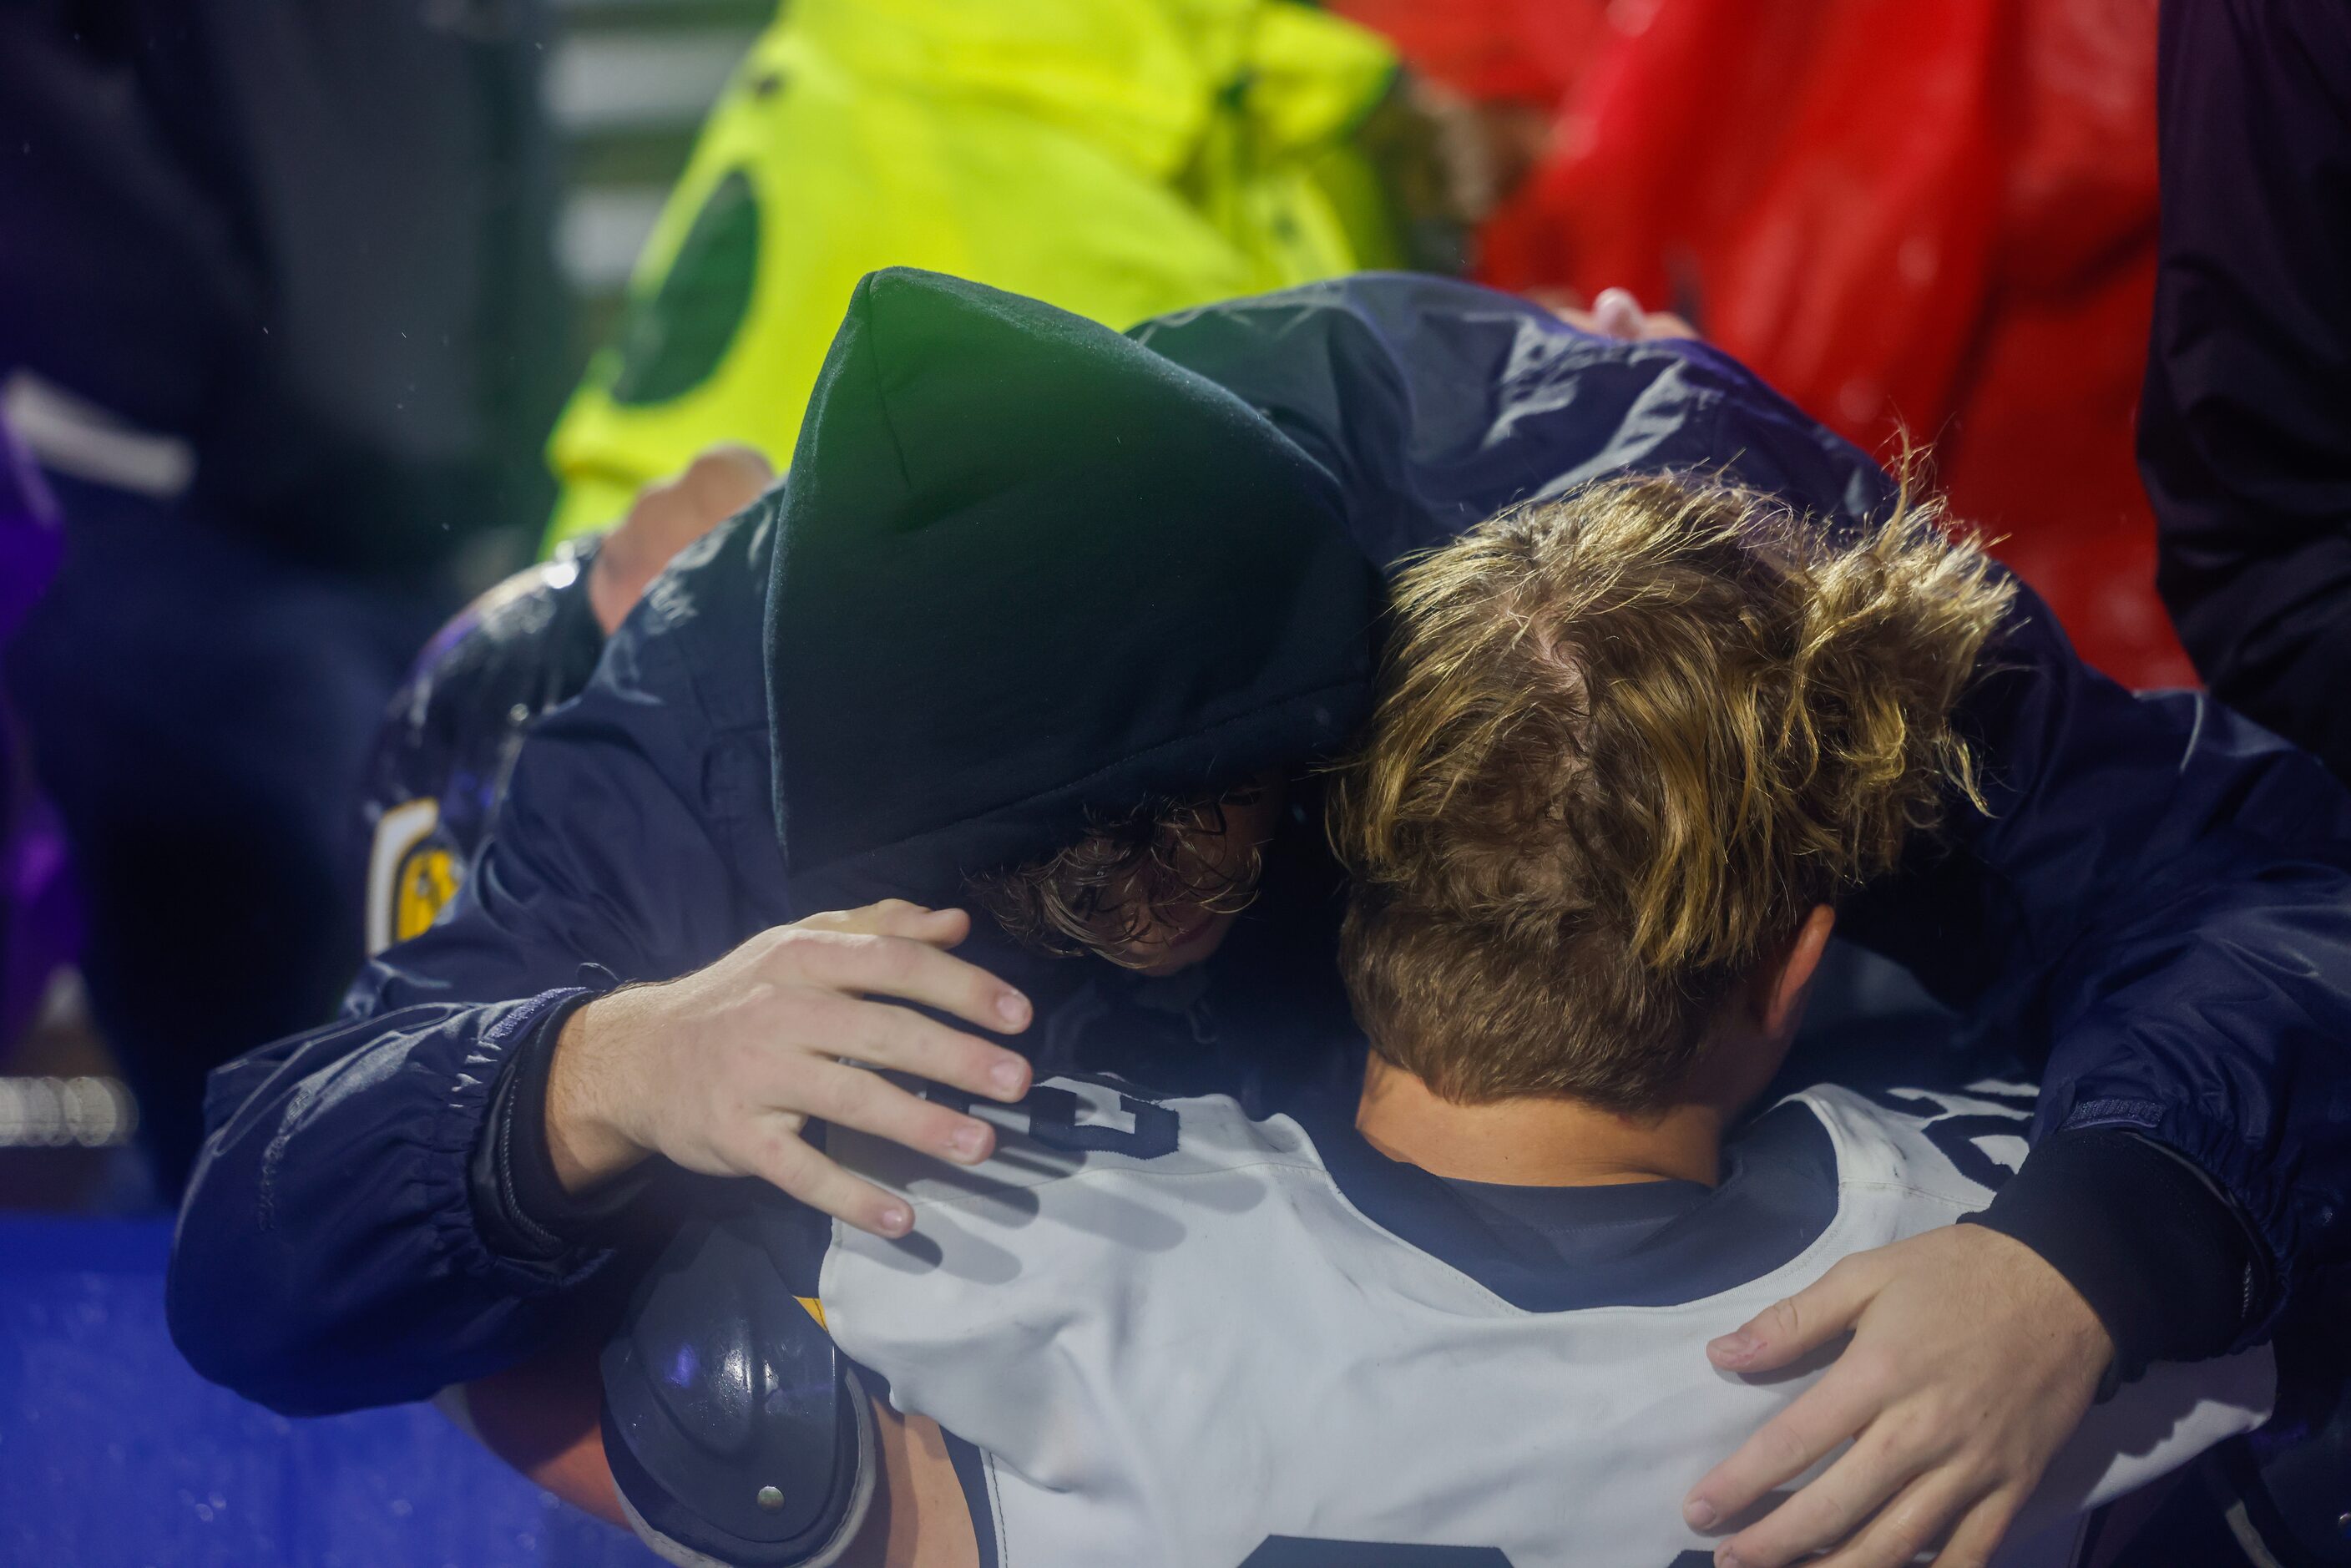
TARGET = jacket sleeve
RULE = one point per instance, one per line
(2157, 904)
(2242, 437)
(328, 1255)
(2157, 910)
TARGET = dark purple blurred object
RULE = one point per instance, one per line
(40, 917)
(29, 541)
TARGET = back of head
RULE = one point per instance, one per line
(1625, 741)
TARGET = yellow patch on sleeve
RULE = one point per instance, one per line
(400, 834)
(428, 881)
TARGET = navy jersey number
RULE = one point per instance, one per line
(1297, 1551)
(1056, 1119)
(1956, 1132)
(1060, 1120)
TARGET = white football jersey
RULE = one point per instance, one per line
(1177, 1337)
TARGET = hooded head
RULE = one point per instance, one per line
(1027, 569)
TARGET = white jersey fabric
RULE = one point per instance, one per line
(1192, 1345)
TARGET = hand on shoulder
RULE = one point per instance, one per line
(722, 1070)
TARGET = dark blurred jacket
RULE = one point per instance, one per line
(2244, 435)
(2156, 909)
(276, 300)
(309, 239)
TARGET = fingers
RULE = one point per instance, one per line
(1616, 314)
(801, 1170)
(1979, 1534)
(908, 970)
(1954, 1434)
(1800, 1323)
(1885, 1463)
(1784, 1448)
(853, 1097)
(1565, 303)
(894, 917)
(1909, 1526)
(888, 1036)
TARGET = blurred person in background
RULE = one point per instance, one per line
(1937, 220)
(2245, 428)
(1119, 157)
(2245, 442)
(275, 289)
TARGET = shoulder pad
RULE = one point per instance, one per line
(737, 1434)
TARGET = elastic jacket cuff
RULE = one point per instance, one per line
(2158, 1252)
(520, 1205)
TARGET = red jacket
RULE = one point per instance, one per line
(1938, 219)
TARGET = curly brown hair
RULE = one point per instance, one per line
(1625, 740)
(1121, 879)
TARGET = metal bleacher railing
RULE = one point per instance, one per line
(628, 85)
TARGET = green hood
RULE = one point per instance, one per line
(1025, 566)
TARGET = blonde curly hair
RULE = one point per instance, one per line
(1625, 740)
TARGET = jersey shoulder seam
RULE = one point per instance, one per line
(1947, 1200)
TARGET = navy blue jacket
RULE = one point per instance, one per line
(2156, 907)
(2244, 436)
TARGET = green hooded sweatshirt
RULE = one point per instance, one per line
(1117, 158)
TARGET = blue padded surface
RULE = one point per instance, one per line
(113, 1452)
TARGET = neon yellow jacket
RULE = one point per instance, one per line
(1118, 158)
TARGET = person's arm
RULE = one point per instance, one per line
(2158, 903)
(540, 1417)
(2154, 909)
(363, 1227)
(329, 1254)
(2244, 434)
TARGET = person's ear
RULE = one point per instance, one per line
(1792, 980)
